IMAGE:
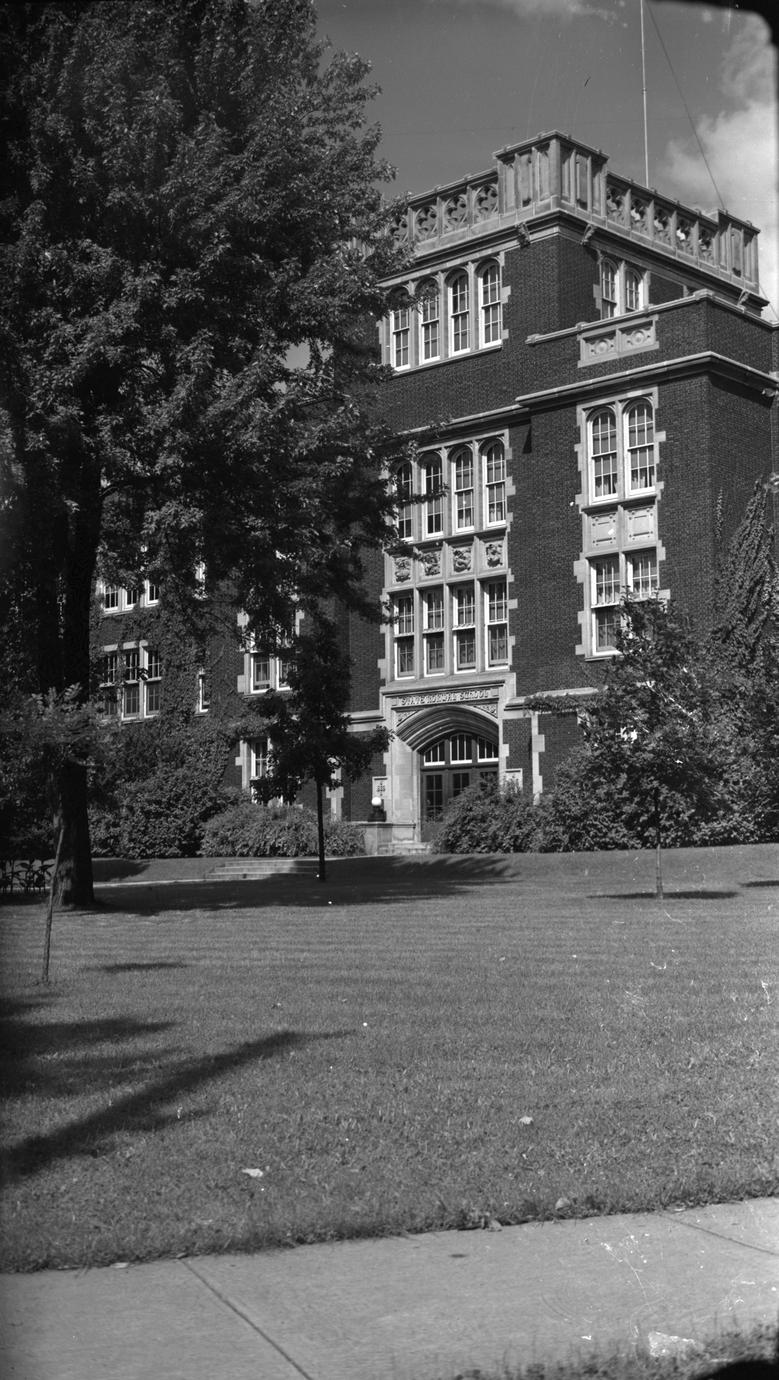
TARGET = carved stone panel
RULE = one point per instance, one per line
(402, 569)
(430, 561)
(462, 559)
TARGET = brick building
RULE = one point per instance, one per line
(583, 366)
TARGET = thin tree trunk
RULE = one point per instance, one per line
(320, 830)
(658, 846)
(50, 906)
(73, 877)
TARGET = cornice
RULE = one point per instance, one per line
(659, 371)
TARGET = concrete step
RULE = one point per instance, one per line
(247, 869)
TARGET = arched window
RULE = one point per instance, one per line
(489, 304)
(494, 473)
(459, 307)
(461, 467)
(404, 490)
(603, 453)
(429, 321)
(400, 318)
(608, 289)
(640, 445)
(634, 290)
(621, 288)
(434, 503)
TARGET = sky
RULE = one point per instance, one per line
(460, 79)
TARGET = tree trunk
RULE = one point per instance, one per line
(64, 594)
(73, 883)
(320, 830)
(50, 908)
(658, 846)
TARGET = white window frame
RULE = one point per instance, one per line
(429, 316)
(257, 762)
(642, 584)
(489, 289)
(603, 453)
(615, 446)
(458, 298)
(131, 661)
(152, 683)
(462, 471)
(404, 615)
(203, 704)
(622, 288)
(485, 751)
(647, 444)
(606, 593)
(433, 511)
(260, 685)
(434, 630)
(404, 489)
(494, 481)
(464, 625)
(605, 596)
(110, 680)
(496, 612)
(400, 331)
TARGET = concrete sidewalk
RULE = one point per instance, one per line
(409, 1308)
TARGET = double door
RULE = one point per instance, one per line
(450, 766)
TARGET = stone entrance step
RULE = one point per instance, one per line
(248, 869)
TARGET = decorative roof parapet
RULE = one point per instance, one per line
(553, 172)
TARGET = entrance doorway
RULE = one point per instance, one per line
(448, 766)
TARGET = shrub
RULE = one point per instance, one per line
(164, 816)
(248, 830)
(485, 819)
(104, 830)
(582, 813)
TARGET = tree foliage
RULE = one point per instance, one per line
(308, 728)
(193, 235)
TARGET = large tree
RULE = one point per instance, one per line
(193, 237)
(309, 733)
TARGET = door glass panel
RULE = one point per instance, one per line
(434, 795)
(461, 780)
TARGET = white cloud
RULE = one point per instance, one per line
(550, 9)
(741, 148)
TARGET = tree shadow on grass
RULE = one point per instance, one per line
(135, 967)
(353, 883)
(144, 1110)
(58, 1059)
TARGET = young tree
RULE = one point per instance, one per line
(192, 206)
(651, 731)
(308, 728)
(743, 650)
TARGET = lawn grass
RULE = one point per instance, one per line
(375, 1045)
(756, 1348)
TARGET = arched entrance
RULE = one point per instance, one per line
(454, 749)
(448, 766)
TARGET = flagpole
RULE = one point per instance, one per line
(643, 92)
